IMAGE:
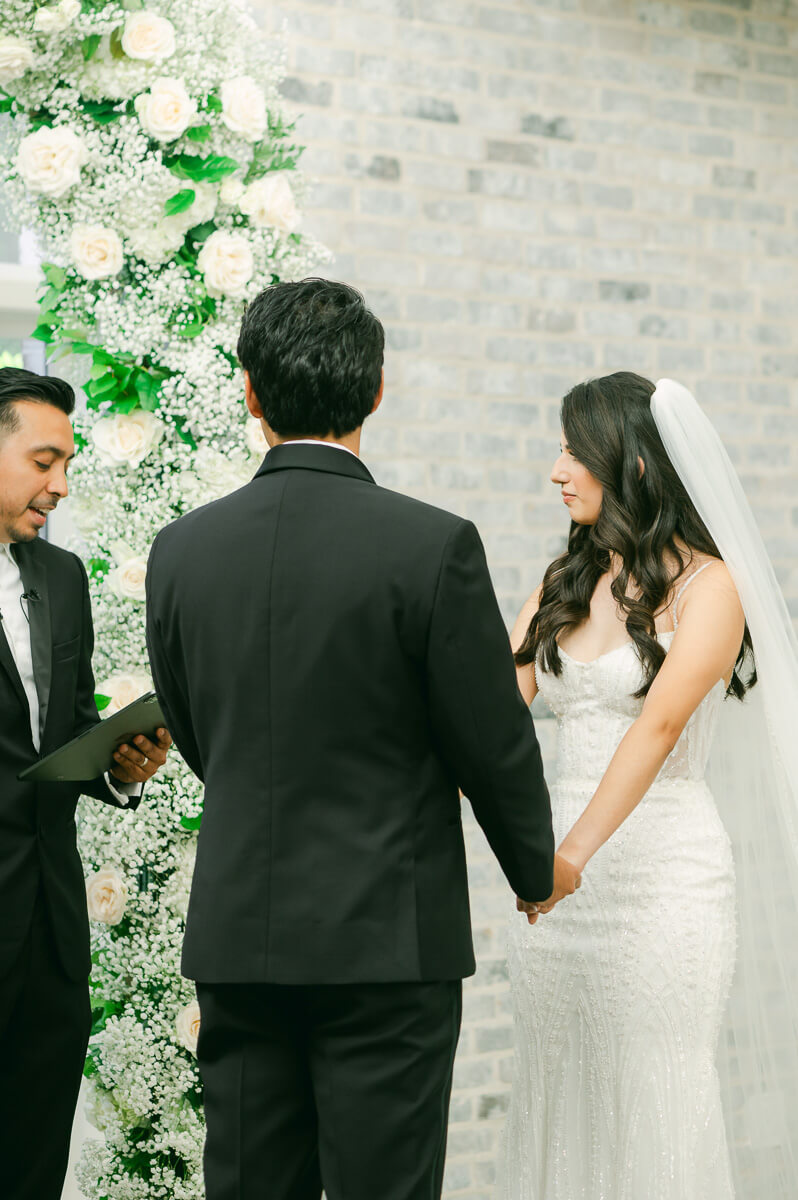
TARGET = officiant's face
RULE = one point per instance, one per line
(581, 492)
(34, 458)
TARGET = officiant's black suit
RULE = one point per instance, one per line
(44, 928)
(332, 663)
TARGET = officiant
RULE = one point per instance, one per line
(46, 699)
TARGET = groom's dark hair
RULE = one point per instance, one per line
(314, 355)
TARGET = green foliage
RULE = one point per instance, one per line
(179, 202)
(191, 822)
(198, 133)
(98, 567)
(190, 166)
(100, 1015)
(6, 102)
(102, 111)
(183, 433)
(116, 44)
(212, 103)
(101, 701)
(90, 45)
(272, 154)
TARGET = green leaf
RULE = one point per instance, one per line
(43, 333)
(90, 1068)
(101, 701)
(6, 102)
(179, 202)
(201, 233)
(191, 822)
(147, 389)
(213, 103)
(90, 45)
(98, 567)
(102, 111)
(199, 133)
(55, 276)
(127, 405)
(116, 44)
(183, 433)
(50, 300)
(191, 166)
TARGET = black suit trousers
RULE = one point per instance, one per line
(344, 1087)
(45, 1018)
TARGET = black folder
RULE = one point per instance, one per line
(90, 754)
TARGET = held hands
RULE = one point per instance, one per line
(139, 762)
(567, 878)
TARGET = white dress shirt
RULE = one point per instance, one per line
(17, 631)
(317, 442)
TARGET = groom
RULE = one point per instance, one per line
(333, 665)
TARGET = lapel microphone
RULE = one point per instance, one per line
(31, 595)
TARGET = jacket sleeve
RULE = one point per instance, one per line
(483, 727)
(168, 675)
(86, 713)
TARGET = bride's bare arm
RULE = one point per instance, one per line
(704, 649)
(527, 683)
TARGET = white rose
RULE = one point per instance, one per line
(96, 251)
(57, 18)
(49, 160)
(244, 107)
(127, 579)
(270, 201)
(256, 438)
(125, 439)
(166, 110)
(218, 473)
(148, 36)
(188, 1026)
(231, 191)
(156, 245)
(106, 893)
(227, 264)
(16, 57)
(100, 1110)
(123, 690)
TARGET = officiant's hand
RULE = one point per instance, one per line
(138, 762)
(567, 878)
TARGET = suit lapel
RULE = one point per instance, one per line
(33, 570)
(7, 661)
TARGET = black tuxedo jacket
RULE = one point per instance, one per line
(332, 664)
(37, 821)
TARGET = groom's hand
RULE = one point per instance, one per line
(567, 878)
(138, 762)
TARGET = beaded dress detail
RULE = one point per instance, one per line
(619, 993)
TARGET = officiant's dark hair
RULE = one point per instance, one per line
(609, 426)
(18, 384)
(314, 354)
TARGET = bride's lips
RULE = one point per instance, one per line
(567, 496)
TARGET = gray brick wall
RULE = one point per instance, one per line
(529, 194)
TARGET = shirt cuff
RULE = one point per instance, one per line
(122, 791)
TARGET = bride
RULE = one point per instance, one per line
(660, 616)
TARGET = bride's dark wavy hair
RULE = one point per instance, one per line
(608, 424)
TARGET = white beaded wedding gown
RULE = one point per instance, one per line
(619, 993)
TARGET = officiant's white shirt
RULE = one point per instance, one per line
(17, 631)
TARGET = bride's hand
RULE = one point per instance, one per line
(567, 878)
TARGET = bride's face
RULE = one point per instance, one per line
(581, 491)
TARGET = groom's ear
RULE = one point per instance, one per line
(253, 404)
(378, 397)
(641, 467)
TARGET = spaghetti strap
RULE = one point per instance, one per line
(686, 584)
